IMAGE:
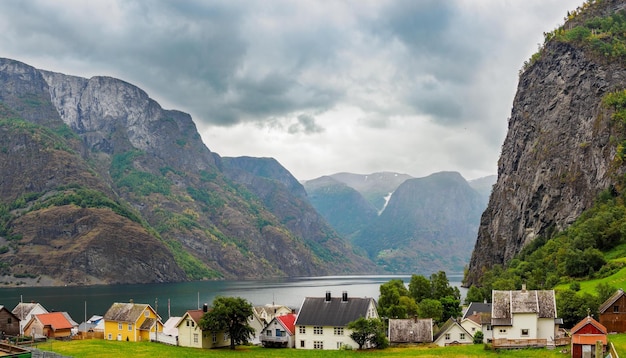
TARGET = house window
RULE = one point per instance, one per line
(318, 345)
(9, 321)
(119, 326)
(195, 338)
(338, 331)
(461, 336)
(146, 314)
(193, 324)
(301, 344)
(503, 331)
(473, 329)
(226, 337)
(339, 345)
(447, 336)
(268, 333)
(524, 332)
(130, 327)
(214, 337)
(318, 330)
(302, 330)
(110, 336)
(489, 327)
(615, 309)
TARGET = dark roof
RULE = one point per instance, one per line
(411, 330)
(147, 324)
(507, 303)
(477, 308)
(126, 312)
(316, 311)
(611, 300)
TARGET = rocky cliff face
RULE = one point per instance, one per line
(96, 179)
(558, 153)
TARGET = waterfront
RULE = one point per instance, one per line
(81, 301)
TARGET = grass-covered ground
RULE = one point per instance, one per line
(103, 348)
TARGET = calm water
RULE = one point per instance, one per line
(191, 295)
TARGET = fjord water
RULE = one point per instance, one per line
(81, 301)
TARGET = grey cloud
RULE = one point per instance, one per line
(306, 124)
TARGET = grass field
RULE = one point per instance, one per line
(617, 280)
(103, 348)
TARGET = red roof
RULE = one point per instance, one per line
(589, 321)
(288, 321)
(56, 320)
(588, 331)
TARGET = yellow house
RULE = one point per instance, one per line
(191, 335)
(131, 322)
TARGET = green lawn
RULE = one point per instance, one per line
(103, 348)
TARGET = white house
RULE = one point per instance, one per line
(262, 315)
(452, 333)
(26, 311)
(191, 335)
(524, 318)
(479, 312)
(280, 332)
(321, 321)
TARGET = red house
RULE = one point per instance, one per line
(585, 335)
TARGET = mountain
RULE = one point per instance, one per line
(376, 187)
(429, 224)
(565, 141)
(99, 184)
(343, 207)
(483, 186)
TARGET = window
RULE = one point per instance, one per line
(268, 332)
(447, 336)
(130, 327)
(489, 327)
(110, 336)
(461, 336)
(318, 330)
(301, 344)
(615, 309)
(338, 331)
(195, 338)
(214, 337)
(473, 329)
(193, 324)
(302, 330)
(503, 331)
(339, 345)
(318, 345)
(187, 323)
(119, 326)
(524, 332)
(9, 320)
(146, 313)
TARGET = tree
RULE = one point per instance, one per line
(389, 303)
(430, 308)
(604, 290)
(474, 294)
(370, 331)
(451, 307)
(419, 288)
(229, 314)
(478, 338)
(440, 286)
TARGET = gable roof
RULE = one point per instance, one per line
(56, 320)
(126, 312)
(611, 300)
(195, 315)
(507, 303)
(23, 310)
(288, 321)
(477, 308)
(586, 321)
(170, 326)
(317, 311)
(9, 312)
(451, 322)
(411, 330)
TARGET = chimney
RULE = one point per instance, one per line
(344, 296)
(205, 308)
(327, 296)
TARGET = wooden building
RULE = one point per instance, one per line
(9, 323)
(589, 339)
(613, 312)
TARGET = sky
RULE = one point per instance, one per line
(326, 86)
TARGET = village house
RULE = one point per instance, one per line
(9, 323)
(479, 312)
(452, 333)
(25, 311)
(51, 325)
(262, 315)
(613, 312)
(190, 334)
(131, 322)
(524, 318)
(412, 330)
(280, 332)
(589, 339)
(322, 321)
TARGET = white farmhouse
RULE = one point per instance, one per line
(322, 321)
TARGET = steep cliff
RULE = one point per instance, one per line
(561, 145)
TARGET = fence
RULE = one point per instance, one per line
(164, 338)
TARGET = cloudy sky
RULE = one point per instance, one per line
(326, 86)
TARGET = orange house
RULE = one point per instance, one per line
(51, 325)
(585, 335)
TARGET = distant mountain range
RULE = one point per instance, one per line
(405, 224)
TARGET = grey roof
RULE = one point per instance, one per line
(477, 308)
(147, 324)
(507, 303)
(22, 310)
(316, 311)
(125, 312)
(411, 330)
(611, 300)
